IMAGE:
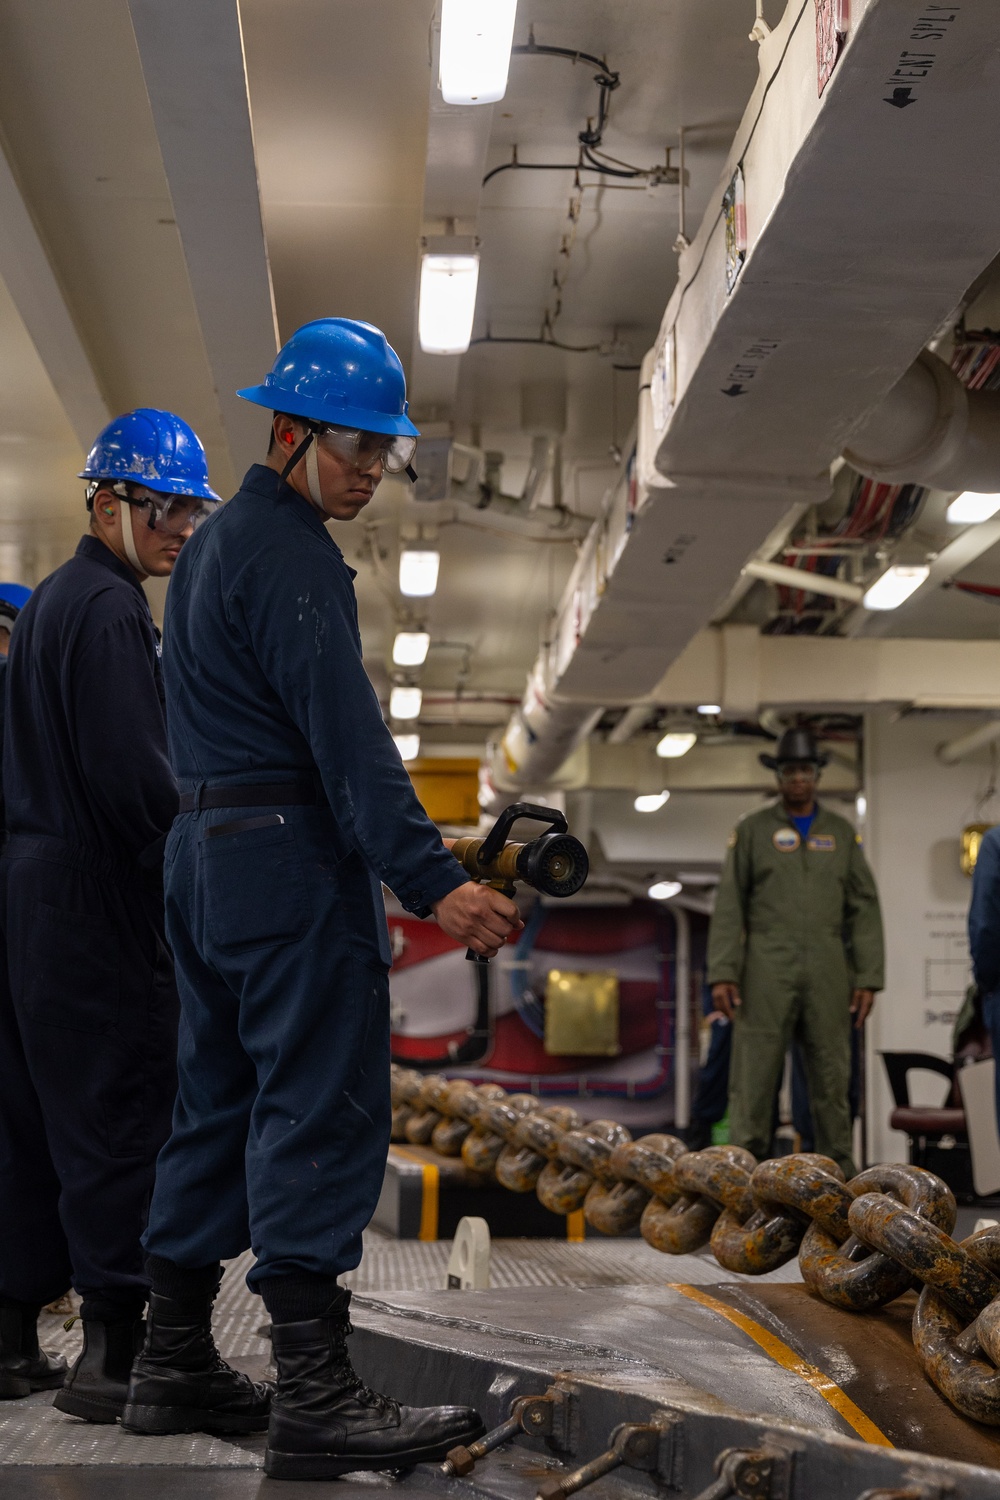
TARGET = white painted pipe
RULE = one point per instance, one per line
(809, 583)
(952, 751)
(682, 1017)
(629, 724)
(930, 430)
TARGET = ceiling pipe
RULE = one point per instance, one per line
(810, 583)
(629, 724)
(930, 430)
(952, 751)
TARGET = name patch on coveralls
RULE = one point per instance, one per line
(786, 840)
(823, 843)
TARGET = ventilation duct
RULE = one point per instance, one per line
(931, 430)
(865, 223)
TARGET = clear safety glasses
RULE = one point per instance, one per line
(365, 449)
(172, 513)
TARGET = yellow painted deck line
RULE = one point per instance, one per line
(430, 1195)
(789, 1360)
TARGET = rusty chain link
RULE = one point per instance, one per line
(860, 1244)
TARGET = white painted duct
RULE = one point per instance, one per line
(931, 430)
(865, 225)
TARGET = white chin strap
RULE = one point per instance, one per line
(128, 536)
(312, 475)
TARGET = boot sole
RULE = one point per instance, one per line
(158, 1421)
(13, 1388)
(278, 1465)
(90, 1408)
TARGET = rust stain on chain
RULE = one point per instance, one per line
(789, 1360)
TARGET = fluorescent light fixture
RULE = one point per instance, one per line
(410, 648)
(664, 889)
(405, 702)
(651, 801)
(476, 37)
(447, 302)
(418, 573)
(969, 508)
(408, 745)
(710, 708)
(675, 744)
(894, 587)
(861, 805)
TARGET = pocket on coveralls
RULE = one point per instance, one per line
(255, 890)
(71, 970)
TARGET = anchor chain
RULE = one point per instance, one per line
(860, 1244)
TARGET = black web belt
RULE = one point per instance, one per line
(270, 794)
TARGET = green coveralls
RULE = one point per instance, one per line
(796, 927)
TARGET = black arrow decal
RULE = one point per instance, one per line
(901, 98)
(735, 390)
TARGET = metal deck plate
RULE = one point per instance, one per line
(33, 1433)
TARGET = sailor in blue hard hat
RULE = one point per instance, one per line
(88, 1024)
(295, 808)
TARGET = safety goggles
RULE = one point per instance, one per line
(172, 514)
(365, 449)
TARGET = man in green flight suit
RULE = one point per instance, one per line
(794, 949)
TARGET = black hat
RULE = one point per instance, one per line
(795, 744)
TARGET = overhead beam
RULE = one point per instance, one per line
(35, 292)
(745, 671)
(192, 60)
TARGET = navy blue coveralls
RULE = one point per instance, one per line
(275, 911)
(88, 1024)
(984, 939)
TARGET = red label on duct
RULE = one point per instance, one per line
(833, 22)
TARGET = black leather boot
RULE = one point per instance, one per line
(325, 1421)
(181, 1383)
(95, 1387)
(23, 1366)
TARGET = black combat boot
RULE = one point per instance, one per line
(325, 1421)
(96, 1386)
(23, 1366)
(181, 1383)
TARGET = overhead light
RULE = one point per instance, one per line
(894, 587)
(476, 37)
(408, 745)
(861, 805)
(410, 648)
(969, 508)
(447, 302)
(675, 744)
(651, 801)
(710, 708)
(405, 702)
(418, 573)
(664, 889)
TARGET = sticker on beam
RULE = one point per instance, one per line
(734, 207)
(833, 22)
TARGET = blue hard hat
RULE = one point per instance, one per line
(16, 595)
(13, 597)
(153, 448)
(339, 371)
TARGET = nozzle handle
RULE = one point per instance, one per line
(497, 836)
(476, 958)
